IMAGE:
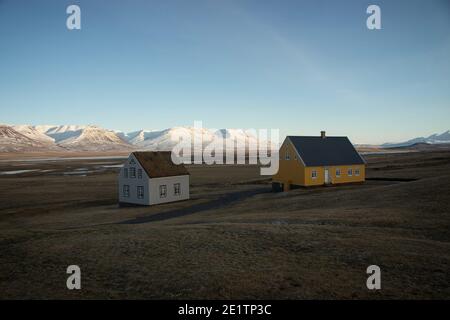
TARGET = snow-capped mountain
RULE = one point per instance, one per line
(242, 138)
(91, 138)
(12, 140)
(136, 137)
(60, 133)
(433, 139)
(165, 140)
(66, 137)
(439, 138)
(94, 138)
(33, 133)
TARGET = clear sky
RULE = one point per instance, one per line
(300, 66)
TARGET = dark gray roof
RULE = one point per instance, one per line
(318, 151)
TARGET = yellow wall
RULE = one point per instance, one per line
(343, 178)
(290, 171)
(293, 172)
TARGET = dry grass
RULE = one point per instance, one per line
(234, 239)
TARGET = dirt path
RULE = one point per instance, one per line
(221, 202)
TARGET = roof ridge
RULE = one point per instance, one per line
(319, 137)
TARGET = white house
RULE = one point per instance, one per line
(149, 178)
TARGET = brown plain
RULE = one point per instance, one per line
(234, 239)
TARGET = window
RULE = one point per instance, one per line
(132, 172)
(314, 174)
(350, 172)
(139, 173)
(125, 172)
(356, 172)
(126, 190)
(176, 189)
(162, 191)
(287, 156)
(338, 173)
(140, 192)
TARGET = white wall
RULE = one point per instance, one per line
(151, 186)
(169, 182)
(134, 183)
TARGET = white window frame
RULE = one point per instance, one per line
(357, 172)
(126, 191)
(140, 192)
(314, 174)
(139, 173)
(287, 156)
(132, 172)
(338, 173)
(163, 191)
(177, 189)
(350, 172)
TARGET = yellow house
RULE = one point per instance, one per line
(313, 161)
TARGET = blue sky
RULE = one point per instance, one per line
(300, 66)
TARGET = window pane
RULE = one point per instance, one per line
(162, 191)
(140, 192)
(126, 190)
(177, 188)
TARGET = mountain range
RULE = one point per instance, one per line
(25, 138)
(433, 139)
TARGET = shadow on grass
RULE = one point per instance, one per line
(392, 179)
(222, 201)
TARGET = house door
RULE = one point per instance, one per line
(327, 177)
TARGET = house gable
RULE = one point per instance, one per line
(133, 183)
(291, 168)
(132, 162)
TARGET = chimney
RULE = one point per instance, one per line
(322, 134)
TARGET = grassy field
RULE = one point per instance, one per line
(234, 239)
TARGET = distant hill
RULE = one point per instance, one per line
(12, 140)
(93, 138)
(442, 138)
(422, 146)
(25, 138)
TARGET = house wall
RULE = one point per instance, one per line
(290, 171)
(344, 177)
(169, 182)
(293, 171)
(133, 183)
